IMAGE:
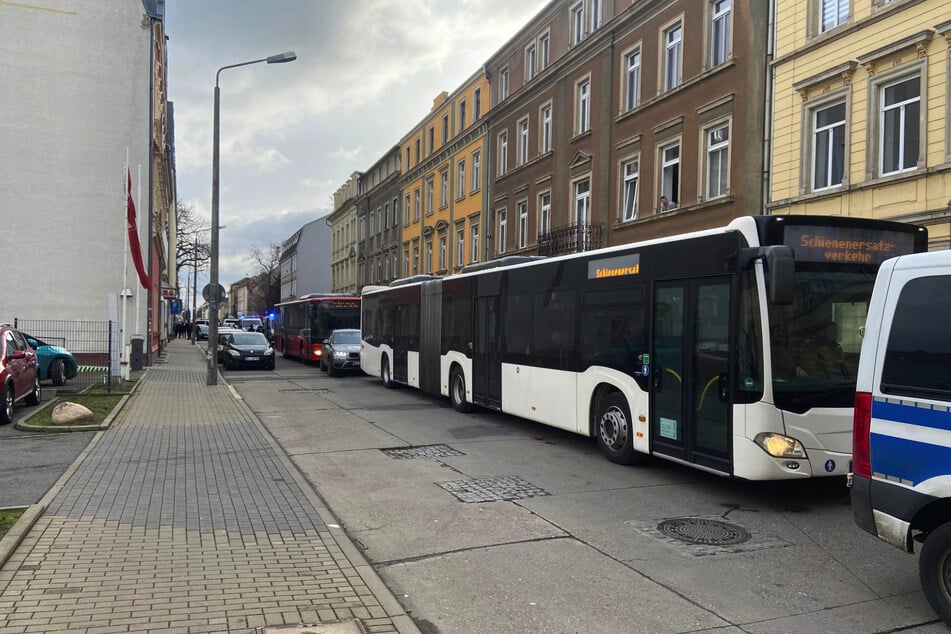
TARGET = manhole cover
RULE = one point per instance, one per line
(699, 530)
(294, 390)
(351, 626)
(425, 452)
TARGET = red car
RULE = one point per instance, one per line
(19, 372)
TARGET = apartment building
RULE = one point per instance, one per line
(613, 122)
(378, 221)
(860, 125)
(343, 221)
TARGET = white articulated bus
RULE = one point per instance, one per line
(705, 348)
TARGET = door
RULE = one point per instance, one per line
(690, 413)
(486, 353)
(401, 342)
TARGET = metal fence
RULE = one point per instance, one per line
(93, 344)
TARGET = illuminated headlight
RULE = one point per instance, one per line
(340, 355)
(780, 446)
(269, 352)
(234, 353)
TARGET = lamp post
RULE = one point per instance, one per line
(214, 290)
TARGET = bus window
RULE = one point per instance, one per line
(613, 337)
(553, 337)
(517, 313)
(749, 344)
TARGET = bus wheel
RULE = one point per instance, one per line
(934, 570)
(457, 391)
(615, 430)
(385, 372)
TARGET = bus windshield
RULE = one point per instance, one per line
(816, 340)
(330, 318)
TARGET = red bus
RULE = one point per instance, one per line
(304, 323)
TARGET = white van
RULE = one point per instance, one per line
(901, 459)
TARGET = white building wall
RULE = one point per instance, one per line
(75, 84)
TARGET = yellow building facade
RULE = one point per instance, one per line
(860, 111)
(443, 181)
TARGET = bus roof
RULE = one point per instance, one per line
(317, 297)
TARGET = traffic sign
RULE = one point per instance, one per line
(208, 292)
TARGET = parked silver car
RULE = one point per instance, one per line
(341, 351)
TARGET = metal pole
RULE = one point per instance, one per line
(193, 328)
(213, 296)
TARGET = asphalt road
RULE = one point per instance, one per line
(575, 544)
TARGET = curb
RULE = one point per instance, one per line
(105, 424)
(19, 530)
(394, 609)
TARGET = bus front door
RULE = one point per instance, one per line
(486, 357)
(690, 413)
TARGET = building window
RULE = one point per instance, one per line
(474, 243)
(476, 171)
(442, 253)
(577, 23)
(522, 209)
(460, 246)
(501, 232)
(632, 80)
(462, 115)
(396, 211)
(828, 146)
(445, 129)
(718, 160)
(444, 188)
(406, 208)
(406, 261)
(523, 141)
(430, 186)
(476, 104)
(670, 177)
(595, 14)
(832, 13)
(544, 135)
(530, 54)
(416, 205)
(407, 158)
(416, 259)
(461, 178)
(720, 32)
(630, 172)
(583, 201)
(431, 141)
(544, 51)
(429, 256)
(418, 157)
(583, 101)
(544, 213)
(386, 215)
(503, 83)
(672, 56)
(899, 139)
(503, 152)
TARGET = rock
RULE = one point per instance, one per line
(67, 413)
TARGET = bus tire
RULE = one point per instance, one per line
(934, 570)
(615, 430)
(457, 391)
(385, 373)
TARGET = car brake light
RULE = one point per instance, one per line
(861, 427)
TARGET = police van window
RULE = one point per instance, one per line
(918, 356)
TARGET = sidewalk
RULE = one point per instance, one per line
(185, 516)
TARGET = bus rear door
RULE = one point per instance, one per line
(690, 414)
(486, 357)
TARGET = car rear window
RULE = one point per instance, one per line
(249, 338)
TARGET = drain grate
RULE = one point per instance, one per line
(301, 390)
(348, 626)
(499, 489)
(708, 532)
(423, 452)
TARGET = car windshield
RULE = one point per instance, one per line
(249, 339)
(350, 336)
(251, 323)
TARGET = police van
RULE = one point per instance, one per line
(901, 459)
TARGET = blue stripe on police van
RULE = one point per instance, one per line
(912, 413)
(905, 459)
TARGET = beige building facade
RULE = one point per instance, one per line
(860, 113)
(343, 222)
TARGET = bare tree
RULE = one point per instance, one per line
(193, 238)
(266, 290)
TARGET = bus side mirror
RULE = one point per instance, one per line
(780, 269)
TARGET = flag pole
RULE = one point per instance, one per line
(138, 289)
(124, 356)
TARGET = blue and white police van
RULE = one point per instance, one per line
(901, 460)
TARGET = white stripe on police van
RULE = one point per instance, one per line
(929, 435)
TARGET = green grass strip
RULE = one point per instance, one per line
(8, 519)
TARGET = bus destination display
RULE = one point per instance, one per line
(846, 245)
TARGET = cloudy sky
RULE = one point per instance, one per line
(291, 134)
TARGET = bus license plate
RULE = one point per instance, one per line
(252, 358)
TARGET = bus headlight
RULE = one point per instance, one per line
(780, 446)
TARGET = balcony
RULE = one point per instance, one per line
(573, 238)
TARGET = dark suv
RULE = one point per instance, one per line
(19, 372)
(341, 351)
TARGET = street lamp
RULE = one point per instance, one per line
(214, 289)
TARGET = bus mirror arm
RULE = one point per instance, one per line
(780, 266)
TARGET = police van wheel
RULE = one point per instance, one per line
(615, 430)
(934, 569)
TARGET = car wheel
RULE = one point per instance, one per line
(385, 372)
(934, 570)
(57, 372)
(6, 407)
(331, 370)
(457, 391)
(33, 398)
(615, 430)
(270, 366)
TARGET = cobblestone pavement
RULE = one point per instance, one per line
(185, 516)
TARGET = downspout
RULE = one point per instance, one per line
(770, 106)
(151, 298)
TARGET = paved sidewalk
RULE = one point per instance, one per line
(185, 516)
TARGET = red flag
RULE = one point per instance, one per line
(134, 245)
